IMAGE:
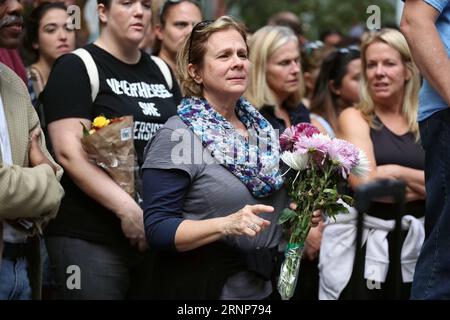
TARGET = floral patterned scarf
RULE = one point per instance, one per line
(254, 160)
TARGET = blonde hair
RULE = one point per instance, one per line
(262, 45)
(397, 41)
(194, 49)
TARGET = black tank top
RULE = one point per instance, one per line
(403, 150)
(390, 148)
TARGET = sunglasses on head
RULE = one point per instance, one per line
(348, 49)
(311, 46)
(198, 27)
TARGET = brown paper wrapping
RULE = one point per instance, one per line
(112, 149)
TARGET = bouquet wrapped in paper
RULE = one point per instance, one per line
(317, 163)
(109, 143)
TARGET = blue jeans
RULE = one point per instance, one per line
(432, 274)
(14, 281)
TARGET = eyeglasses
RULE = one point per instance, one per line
(198, 27)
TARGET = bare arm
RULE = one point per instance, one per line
(414, 178)
(355, 129)
(319, 126)
(66, 137)
(418, 26)
(193, 234)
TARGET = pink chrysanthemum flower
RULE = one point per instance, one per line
(344, 155)
(287, 139)
(320, 162)
(363, 166)
(316, 146)
(294, 133)
(306, 129)
(317, 142)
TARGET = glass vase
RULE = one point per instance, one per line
(287, 281)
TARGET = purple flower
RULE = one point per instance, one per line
(363, 167)
(317, 144)
(294, 133)
(344, 155)
(287, 139)
(306, 129)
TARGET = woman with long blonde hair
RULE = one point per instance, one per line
(384, 126)
(276, 85)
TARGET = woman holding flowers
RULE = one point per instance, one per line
(276, 89)
(384, 125)
(212, 194)
(99, 227)
(336, 88)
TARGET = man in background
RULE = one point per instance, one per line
(30, 192)
(426, 26)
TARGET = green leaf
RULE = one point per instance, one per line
(331, 191)
(85, 130)
(296, 232)
(333, 208)
(347, 199)
(286, 215)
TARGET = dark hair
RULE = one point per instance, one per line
(163, 11)
(334, 68)
(170, 3)
(286, 19)
(312, 55)
(329, 32)
(32, 25)
(106, 3)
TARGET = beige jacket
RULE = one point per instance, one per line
(33, 193)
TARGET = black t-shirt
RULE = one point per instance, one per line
(125, 89)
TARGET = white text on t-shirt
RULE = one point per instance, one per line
(138, 89)
(145, 130)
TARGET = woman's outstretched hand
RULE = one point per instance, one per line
(246, 221)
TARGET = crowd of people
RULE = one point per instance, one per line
(203, 223)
